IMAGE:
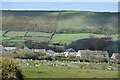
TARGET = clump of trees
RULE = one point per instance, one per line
(104, 43)
(25, 54)
(37, 45)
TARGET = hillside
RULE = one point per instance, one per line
(69, 21)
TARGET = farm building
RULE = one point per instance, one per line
(115, 56)
(103, 53)
(10, 49)
(70, 52)
(50, 52)
(60, 54)
(39, 50)
(92, 54)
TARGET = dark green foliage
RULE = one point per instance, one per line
(23, 54)
(36, 45)
(11, 70)
(56, 48)
(105, 43)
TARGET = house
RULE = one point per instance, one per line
(2, 49)
(10, 49)
(92, 54)
(104, 54)
(50, 52)
(39, 50)
(115, 56)
(60, 54)
(26, 48)
(84, 53)
(70, 52)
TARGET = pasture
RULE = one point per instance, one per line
(43, 69)
(59, 72)
(17, 36)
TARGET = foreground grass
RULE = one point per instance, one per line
(60, 72)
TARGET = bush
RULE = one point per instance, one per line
(11, 70)
(27, 55)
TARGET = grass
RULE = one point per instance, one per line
(44, 70)
(60, 72)
(67, 38)
(40, 36)
(22, 33)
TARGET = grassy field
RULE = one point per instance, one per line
(44, 69)
(40, 36)
(60, 72)
(67, 38)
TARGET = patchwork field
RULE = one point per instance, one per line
(16, 36)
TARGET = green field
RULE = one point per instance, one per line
(59, 72)
(45, 69)
(40, 36)
(67, 38)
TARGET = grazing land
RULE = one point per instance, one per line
(41, 36)
(31, 69)
(58, 72)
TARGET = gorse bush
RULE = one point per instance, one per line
(11, 70)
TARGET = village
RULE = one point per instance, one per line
(67, 53)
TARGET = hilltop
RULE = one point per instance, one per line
(69, 21)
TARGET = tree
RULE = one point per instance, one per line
(91, 43)
(38, 45)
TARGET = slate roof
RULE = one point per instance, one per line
(70, 50)
(50, 52)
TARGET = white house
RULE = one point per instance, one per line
(70, 52)
(115, 56)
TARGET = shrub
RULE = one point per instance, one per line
(11, 70)
(27, 55)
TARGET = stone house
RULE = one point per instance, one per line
(39, 50)
(92, 54)
(115, 56)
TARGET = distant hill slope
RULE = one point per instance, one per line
(69, 21)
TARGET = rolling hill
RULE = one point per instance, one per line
(69, 21)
